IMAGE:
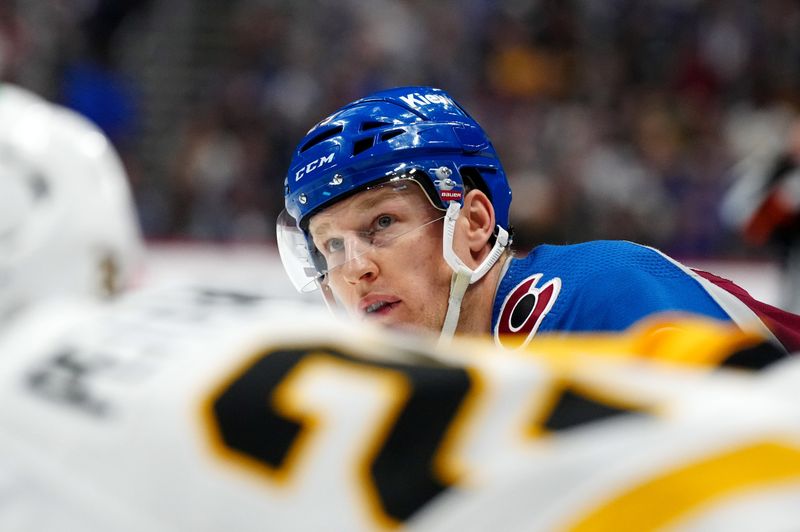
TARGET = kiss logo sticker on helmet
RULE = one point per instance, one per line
(524, 309)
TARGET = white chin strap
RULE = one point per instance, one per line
(463, 276)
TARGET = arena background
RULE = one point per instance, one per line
(614, 118)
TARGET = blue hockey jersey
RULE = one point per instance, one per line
(603, 286)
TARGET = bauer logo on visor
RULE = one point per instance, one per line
(450, 195)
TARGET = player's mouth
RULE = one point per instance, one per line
(378, 306)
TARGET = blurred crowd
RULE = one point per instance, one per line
(614, 118)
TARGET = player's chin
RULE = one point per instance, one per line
(406, 325)
(393, 316)
(387, 316)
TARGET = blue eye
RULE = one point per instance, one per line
(384, 221)
(334, 245)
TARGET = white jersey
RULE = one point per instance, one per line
(196, 409)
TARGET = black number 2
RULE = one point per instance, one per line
(251, 420)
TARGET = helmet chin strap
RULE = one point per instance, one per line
(328, 297)
(463, 276)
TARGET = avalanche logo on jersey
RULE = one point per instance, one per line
(523, 311)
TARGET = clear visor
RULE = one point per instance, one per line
(362, 225)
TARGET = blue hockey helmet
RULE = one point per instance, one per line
(387, 133)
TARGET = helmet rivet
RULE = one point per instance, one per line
(443, 172)
(337, 179)
(302, 199)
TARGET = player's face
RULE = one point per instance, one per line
(383, 248)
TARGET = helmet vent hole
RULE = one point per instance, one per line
(328, 133)
(386, 135)
(363, 145)
(366, 126)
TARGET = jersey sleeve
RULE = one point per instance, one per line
(637, 283)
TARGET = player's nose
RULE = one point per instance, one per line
(359, 264)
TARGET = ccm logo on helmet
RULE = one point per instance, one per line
(524, 309)
(416, 99)
(313, 165)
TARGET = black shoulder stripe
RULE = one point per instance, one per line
(573, 409)
(755, 357)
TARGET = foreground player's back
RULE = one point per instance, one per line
(199, 409)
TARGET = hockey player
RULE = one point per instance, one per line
(397, 208)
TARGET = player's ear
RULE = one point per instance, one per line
(478, 215)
